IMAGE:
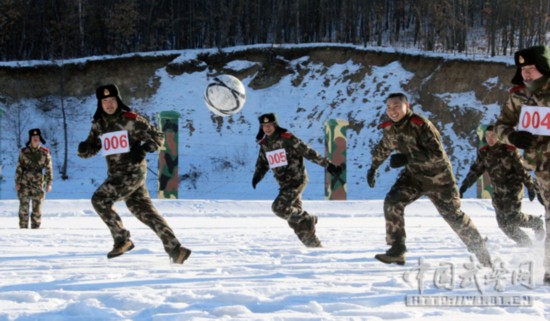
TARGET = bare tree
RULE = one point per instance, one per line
(97, 27)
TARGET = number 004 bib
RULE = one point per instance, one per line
(115, 143)
(276, 158)
(535, 119)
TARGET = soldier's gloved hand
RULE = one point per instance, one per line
(463, 190)
(137, 153)
(334, 170)
(149, 147)
(83, 147)
(370, 177)
(398, 160)
(255, 180)
(521, 139)
(532, 193)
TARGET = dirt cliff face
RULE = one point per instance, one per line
(80, 79)
(136, 77)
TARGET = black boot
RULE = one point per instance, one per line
(120, 247)
(180, 254)
(305, 230)
(23, 223)
(481, 252)
(395, 254)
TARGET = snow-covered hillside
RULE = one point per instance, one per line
(217, 155)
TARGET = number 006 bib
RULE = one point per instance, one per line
(276, 158)
(535, 119)
(115, 143)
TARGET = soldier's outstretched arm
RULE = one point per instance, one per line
(380, 152)
(49, 171)
(476, 170)
(151, 137)
(521, 172)
(261, 169)
(528, 181)
(309, 153)
(18, 172)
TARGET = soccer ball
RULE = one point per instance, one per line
(225, 95)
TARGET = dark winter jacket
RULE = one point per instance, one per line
(293, 150)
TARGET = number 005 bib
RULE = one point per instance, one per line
(115, 143)
(276, 158)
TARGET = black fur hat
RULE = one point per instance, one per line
(266, 119)
(35, 132)
(538, 56)
(104, 92)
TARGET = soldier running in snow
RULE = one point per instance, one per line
(427, 172)
(33, 172)
(113, 121)
(532, 90)
(503, 164)
(284, 153)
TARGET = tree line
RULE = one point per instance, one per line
(60, 29)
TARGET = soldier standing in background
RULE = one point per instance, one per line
(531, 95)
(284, 153)
(33, 172)
(427, 172)
(126, 137)
(503, 164)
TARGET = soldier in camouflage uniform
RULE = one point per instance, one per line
(427, 172)
(503, 164)
(284, 153)
(126, 172)
(33, 173)
(532, 88)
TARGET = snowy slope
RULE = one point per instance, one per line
(218, 158)
(248, 265)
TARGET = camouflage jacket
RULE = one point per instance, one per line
(139, 131)
(504, 166)
(34, 169)
(538, 157)
(417, 138)
(294, 173)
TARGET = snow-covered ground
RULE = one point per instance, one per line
(248, 265)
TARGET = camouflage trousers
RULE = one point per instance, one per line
(543, 181)
(136, 196)
(445, 198)
(288, 206)
(36, 215)
(510, 219)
